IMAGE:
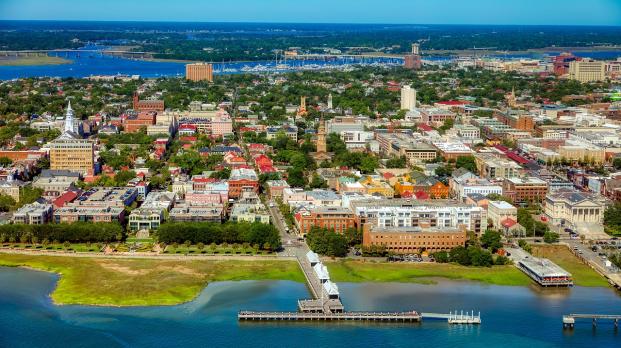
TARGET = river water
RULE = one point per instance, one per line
(512, 317)
(91, 61)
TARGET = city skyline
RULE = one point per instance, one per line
(526, 12)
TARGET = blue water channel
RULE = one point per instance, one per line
(512, 317)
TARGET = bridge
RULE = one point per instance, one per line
(319, 56)
(40, 53)
(569, 320)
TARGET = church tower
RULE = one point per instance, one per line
(322, 147)
(69, 125)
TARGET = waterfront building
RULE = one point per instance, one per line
(408, 98)
(150, 214)
(69, 151)
(185, 212)
(545, 272)
(413, 239)
(33, 214)
(332, 218)
(199, 72)
(411, 213)
(74, 213)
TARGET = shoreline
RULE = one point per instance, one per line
(33, 61)
(113, 281)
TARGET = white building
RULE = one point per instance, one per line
(408, 98)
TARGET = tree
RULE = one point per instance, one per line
(491, 240)
(327, 242)
(550, 237)
(318, 182)
(617, 163)
(6, 202)
(5, 162)
(466, 162)
(612, 219)
(396, 162)
(441, 257)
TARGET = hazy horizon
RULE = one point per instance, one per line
(398, 12)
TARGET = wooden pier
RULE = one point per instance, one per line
(570, 320)
(326, 303)
(403, 317)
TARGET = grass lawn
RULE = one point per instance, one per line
(359, 271)
(583, 275)
(138, 282)
(27, 61)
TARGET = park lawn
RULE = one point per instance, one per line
(360, 271)
(28, 61)
(145, 282)
(561, 255)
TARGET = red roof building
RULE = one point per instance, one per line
(65, 198)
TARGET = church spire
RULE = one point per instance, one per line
(69, 119)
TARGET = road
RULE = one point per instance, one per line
(290, 243)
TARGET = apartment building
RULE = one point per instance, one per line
(413, 239)
(33, 214)
(334, 218)
(525, 189)
(491, 166)
(411, 213)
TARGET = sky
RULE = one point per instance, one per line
(510, 12)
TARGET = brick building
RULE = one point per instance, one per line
(333, 218)
(413, 239)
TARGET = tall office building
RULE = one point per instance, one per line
(69, 151)
(415, 49)
(199, 72)
(408, 98)
(413, 60)
(330, 106)
(587, 70)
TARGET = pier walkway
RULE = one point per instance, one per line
(570, 320)
(345, 316)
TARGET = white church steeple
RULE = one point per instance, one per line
(69, 127)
